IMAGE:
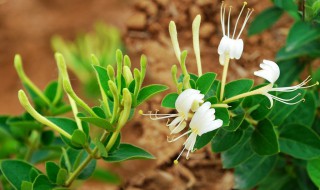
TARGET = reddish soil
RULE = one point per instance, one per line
(27, 26)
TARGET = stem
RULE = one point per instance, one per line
(219, 106)
(75, 174)
(34, 139)
(224, 76)
(112, 140)
(261, 90)
(75, 112)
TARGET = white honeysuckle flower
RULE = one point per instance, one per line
(271, 72)
(188, 100)
(203, 121)
(231, 47)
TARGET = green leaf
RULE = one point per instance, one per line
(169, 100)
(292, 68)
(281, 111)
(313, 168)
(235, 122)
(224, 140)
(103, 78)
(62, 176)
(301, 33)
(264, 20)
(106, 176)
(239, 153)
(204, 139)
(149, 91)
(205, 82)
(26, 185)
(23, 123)
(79, 138)
(67, 125)
(127, 152)
(305, 113)
(264, 140)
(223, 114)
(99, 122)
(235, 88)
(97, 110)
(52, 170)
(41, 183)
(253, 171)
(21, 171)
(299, 141)
(290, 6)
(311, 49)
(51, 91)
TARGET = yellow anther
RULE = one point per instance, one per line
(140, 112)
(245, 3)
(176, 162)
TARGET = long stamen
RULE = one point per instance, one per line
(286, 101)
(174, 139)
(176, 160)
(190, 149)
(293, 88)
(235, 27)
(154, 116)
(229, 21)
(222, 12)
(176, 127)
(250, 11)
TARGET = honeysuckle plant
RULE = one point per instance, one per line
(265, 133)
(93, 133)
(102, 42)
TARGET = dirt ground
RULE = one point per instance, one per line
(27, 26)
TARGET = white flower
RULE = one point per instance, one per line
(203, 121)
(231, 47)
(271, 72)
(187, 101)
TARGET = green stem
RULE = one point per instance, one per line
(112, 140)
(219, 106)
(34, 139)
(224, 77)
(261, 90)
(83, 165)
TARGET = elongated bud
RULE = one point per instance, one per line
(113, 88)
(196, 46)
(94, 60)
(179, 87)
(27, 106)
(125, 114)
(26, 81)
(183, 62)
(127, 61)
(143, 65)
(111, 73)
(127, 74)
(119, 69)
(137, 77)
(174, 74)
(186, 81)
(67, 85)
(174, 39)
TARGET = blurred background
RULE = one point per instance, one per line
(28, 28)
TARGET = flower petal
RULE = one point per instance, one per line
(224, 45)
(237, 49)
(212, 126)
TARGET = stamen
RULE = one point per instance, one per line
(235, 27)
(230, 7)
(286, 101)
(222, 12)
(250, 11)
(293, 88)
(154, 116)
(174, 139)
(176, 160)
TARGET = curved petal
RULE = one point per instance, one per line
(224, 45)
(265, 74)
(212, 126)
(190, 142)
(270, 99)
(185, 100)
(222, 59)
(237, 49)
(274, 67)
